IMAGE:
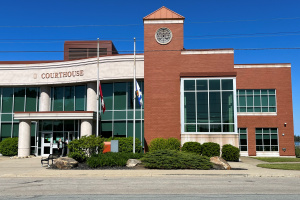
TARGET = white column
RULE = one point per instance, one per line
(86, 127)
(45, 98)
(91, 104)
(24, 138)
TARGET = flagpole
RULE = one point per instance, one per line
(97, 128)
(134, 96)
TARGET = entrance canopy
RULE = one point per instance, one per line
(61, 115)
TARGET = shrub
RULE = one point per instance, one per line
(126, 144)
(161, 143)
(9, 147)
(85, 147)
(297, 152)
(171, 159)
(111, 159)
(192, 147)
(210, 149)
(230, 153)
(173, 144)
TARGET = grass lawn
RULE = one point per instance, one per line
(277, 159)
(289, 166)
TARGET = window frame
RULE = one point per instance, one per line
(221, 91)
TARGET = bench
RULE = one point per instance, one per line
(47, 160)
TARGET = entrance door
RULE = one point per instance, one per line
(47, 143)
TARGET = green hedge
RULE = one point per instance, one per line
(111, 159)
(161, 143)
(171, 159)
(210, 149)
(297, 152)
(192, 147)
(230, 153)
(126, 144)
(9, 147)
(85, 147)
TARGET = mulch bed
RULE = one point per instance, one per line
(84, 166)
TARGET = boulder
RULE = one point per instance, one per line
(132, 162)
(65, 163)
(219, 163)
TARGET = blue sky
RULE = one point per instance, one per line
(209, 24)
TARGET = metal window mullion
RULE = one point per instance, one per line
(25, 100)
(196, 107)
(12, 120)
(74, 98)
(208, 95)
(260, 99)
(113, 113)
(37, 99)
(126, 122)
(221, 101)
(64, 98)
(1, 112)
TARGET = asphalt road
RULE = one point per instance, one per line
(165, 187)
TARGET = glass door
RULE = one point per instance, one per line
(47, 143)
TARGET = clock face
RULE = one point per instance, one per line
(163, 35)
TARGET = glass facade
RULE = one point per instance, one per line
(266, 139)
(117, 120)
(207, 105)
(243, 137)
(256, 100)
(16, 99)
(68, 98)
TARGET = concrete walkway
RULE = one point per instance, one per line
(31, 167)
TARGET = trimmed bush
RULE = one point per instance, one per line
(161, 143)
(126, 144)
(173, 144)
(230, 153)
(192, 147)
(111, 159)
(210, 149)
(9, 147)
(85, 147)
(171, 159)
(297, 152)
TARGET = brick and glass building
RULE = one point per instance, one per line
(190, 94)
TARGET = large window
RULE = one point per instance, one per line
(117, 120)
(256, 100)
(68, 98)
(266, 139)
(15, 99)
(243, 139)
(207, 105)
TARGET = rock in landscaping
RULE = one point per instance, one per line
(133, 162)
(0, 154)
(219, 163)
(65, 163)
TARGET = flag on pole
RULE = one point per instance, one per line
(139, 93)
(102, 100)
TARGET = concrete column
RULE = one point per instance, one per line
(45, 98)
(86, 127)
(24, 138)
(91, 97)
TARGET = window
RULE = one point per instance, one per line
(266, 139)
(68, 98)
(207, 105)
(243, 139)
(256, 100)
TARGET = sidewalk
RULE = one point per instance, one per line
(31, 167)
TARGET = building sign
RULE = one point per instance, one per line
(62, 74)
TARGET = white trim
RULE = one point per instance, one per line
(267, 153)
(263, 66)
(53, 116)
(209, 133)
(244, 153)
(179, 21)
(257, 114)
(225, 51)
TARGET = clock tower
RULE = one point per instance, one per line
(163, 43)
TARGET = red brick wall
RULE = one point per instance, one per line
(269, 78)
(162, 79)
